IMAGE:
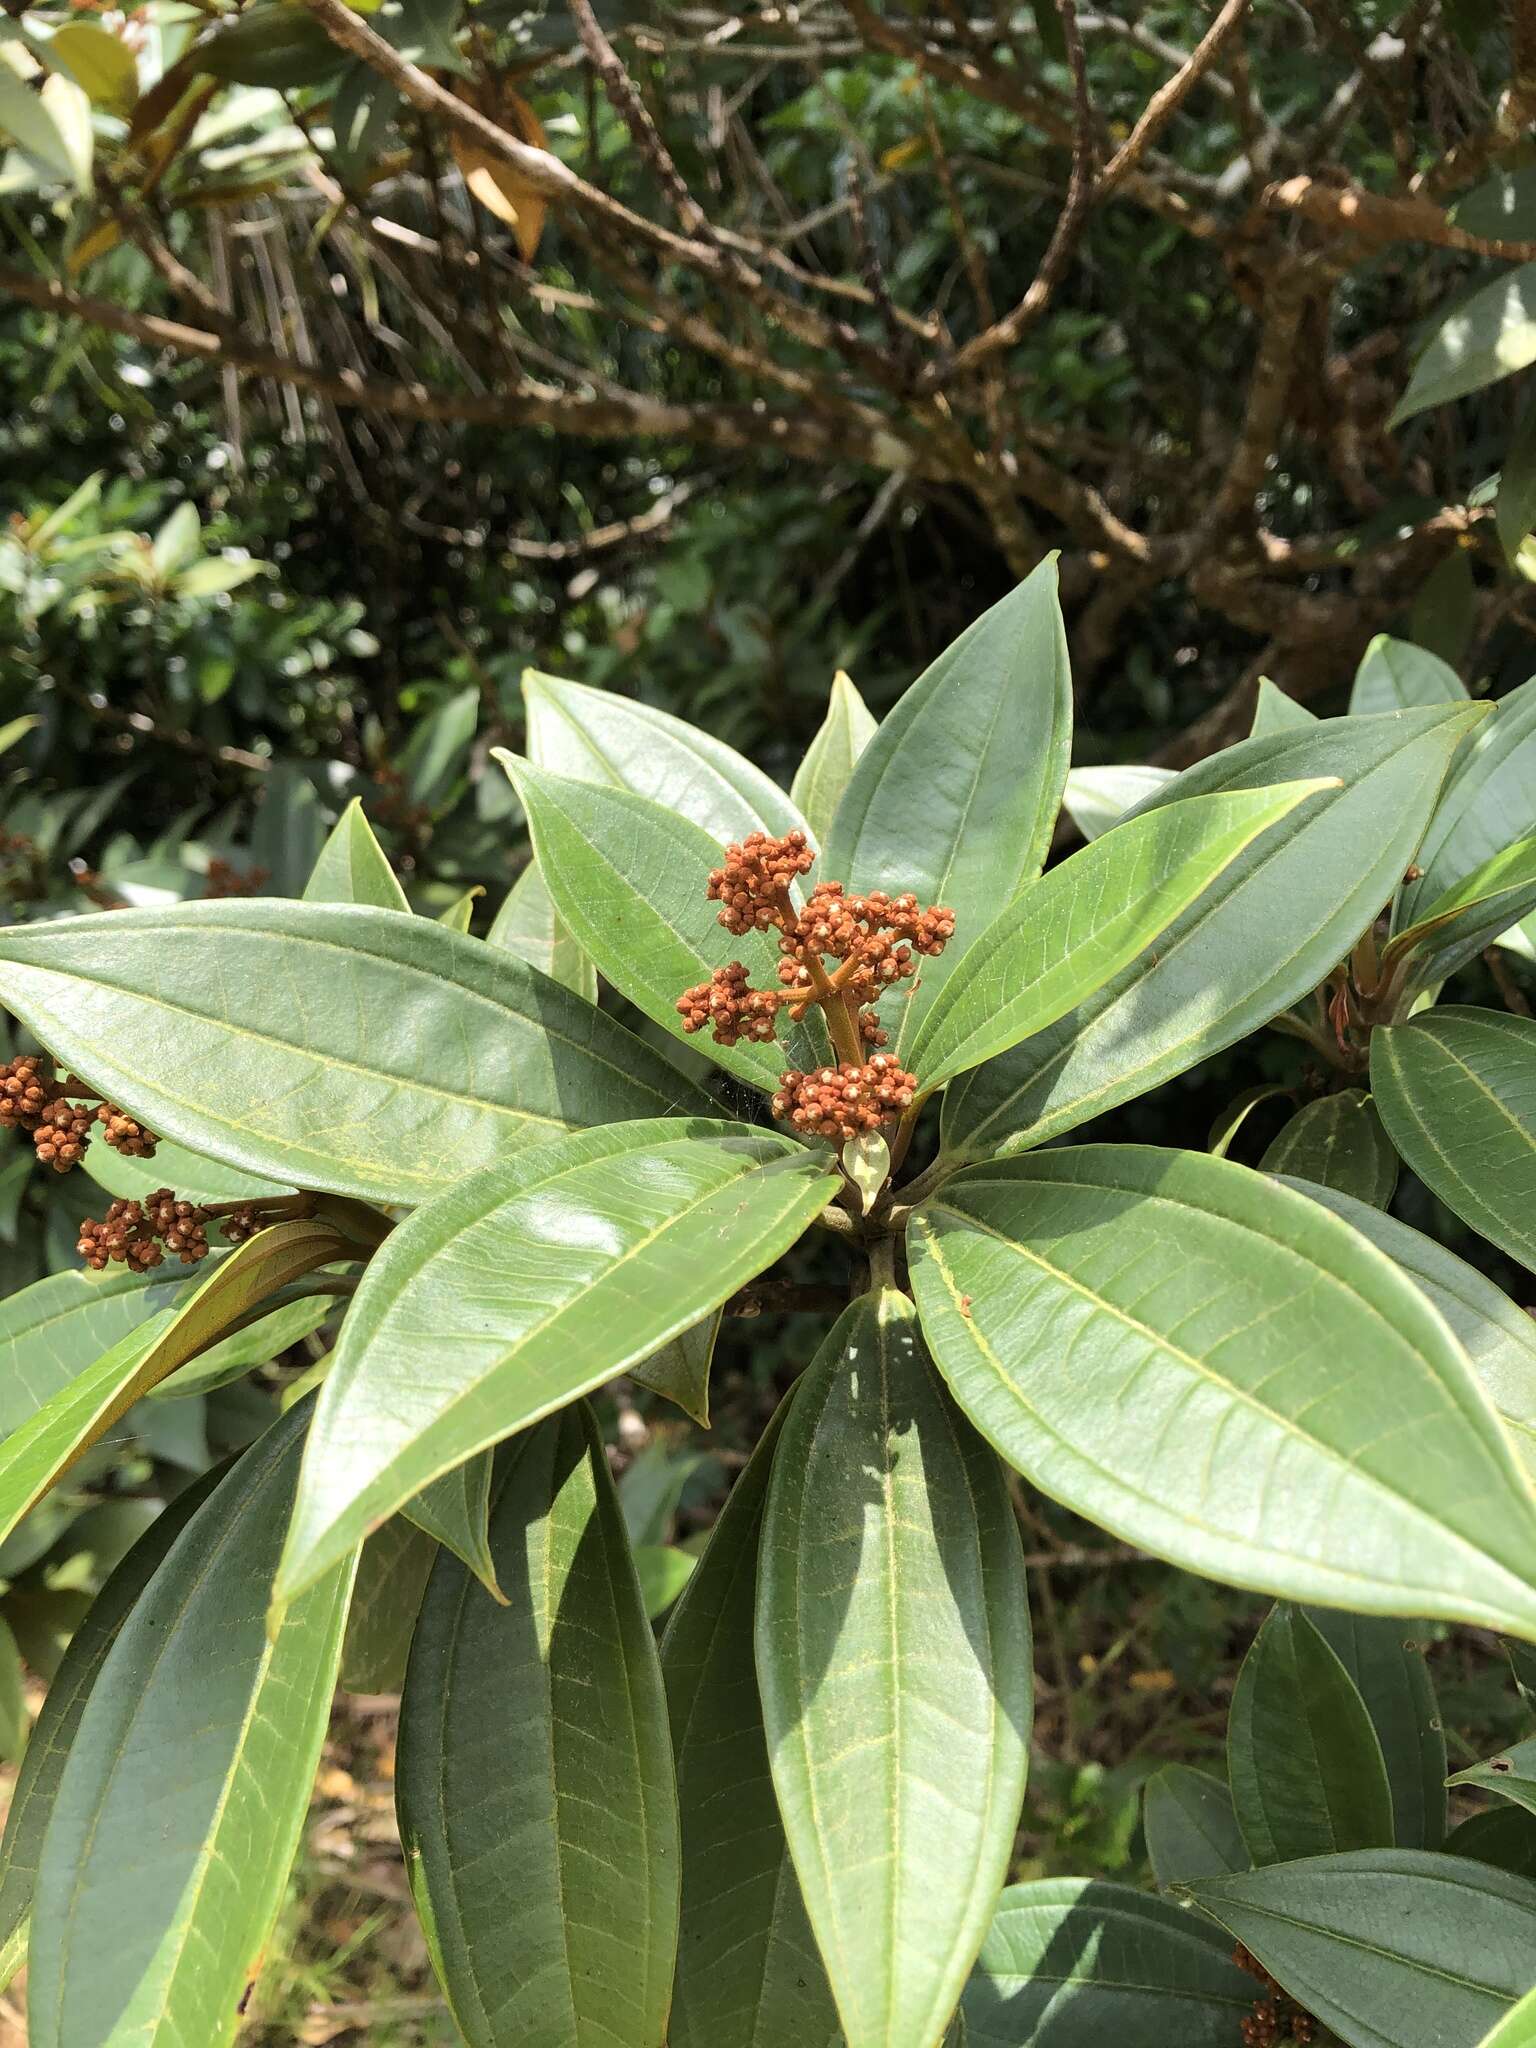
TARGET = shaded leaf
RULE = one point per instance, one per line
(1308, 1776)
(1154, 1338)
(526, 1285)
(1515, 506)
(528, 926)
(663, 1572)
(1511, 1774)
(343, 1048)
(1488, 336)
(893, 1660)
(1387, 1946)
(1096, 798)
(824, 774)
(679, 1371)
(1274, 711)
(1191, 1827)
(1457, 1092)
(455, 1510)
(1504, 1836)
(1488, 804)
(1391, 1675)
(201, 1720)
(535, 1781)
(1472, 914)
(392, 1571)
(1072, 1964)
(748, 1973)
(1338, 1142)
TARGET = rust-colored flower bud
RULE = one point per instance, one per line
(124, 1133)
(28, 1084)
(62, 1133)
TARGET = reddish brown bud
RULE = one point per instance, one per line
(844, 1101)
(28, 1084)
(62, 1133)
(124, 1133)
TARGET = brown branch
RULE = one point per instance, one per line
(1373, 218)
(624, 97)
(1168, 98)
(1269, 384)
(1005, 333)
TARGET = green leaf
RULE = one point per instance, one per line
(194, 1178)
(144, 1930)
(1264, 935)
(1274, 711)
(597, 736)
(1394, 675)
(1391, 1675)
(27, 122)
(437, 752)
(1511, 1774)
(824, 774)
(232, 1357)
(1338, 1142)
(104, 65)
(455, 1510)
(1518, 2029)
(1504, 1836)
(1096, 798)
(215, 574)
(1498, 1339)
(1308, 1776)
(37, 1454)
(1387, 1946)
(748, 1973)
(13, 1698)
(177, 541)
(663, 1572)
(392, 1571)
(1515, 506)
(679, 1371)
(528, 1284)
(340, 1048)
(628, 880)
(1488, 336)
(1191, 1827)
(1457, 1092)
(1470, 915)
(352, 867)
(535, 1781)
(51, 1331)
(1069, 1963)
(956, 795)
(460, 914)
(527, 925)
(1154, 1338)
(893, 1660)
(1488, 803)
(53, 1738)
(1067, 934)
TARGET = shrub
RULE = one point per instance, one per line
(870, 1017)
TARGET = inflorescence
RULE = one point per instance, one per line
(1276, 2017)
(875, 940)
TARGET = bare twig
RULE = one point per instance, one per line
(1168, 98)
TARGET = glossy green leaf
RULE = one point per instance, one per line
(51, 1331)
(1069, 1963)
(1387, 1946)
(600, 737)
(956, 795)
(679, 1371)
(1096, 798)
(37, 1783)
(1264, 935)
(455, 1510)
(258, 1343)
(1517, 2029)
(1394, 675)
(1274, 711)
(1511, 1774)
(1155, 1339)
(393, 1567)
(1498, 1338)
(1391, 1674)
(144, 1932)
(535, 1778)
(526, 1285)
(1457, 1092)
(194, 1178)
(1489, 803)
(827, 769)
(1308, 1776)
(339, 1048)
(1455, 927)
(37, 1453)
(527, 925)
(1190, 1826)
(1067, 934)
(1487, 336)
(748, 1973)
(353, 868)
(628, 880)
(893, 1659)
(1338, 1142)
(1504, 1836)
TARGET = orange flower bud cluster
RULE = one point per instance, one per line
(874, 938)
(34, 1099)
(139, 1234)
(845, 1101)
